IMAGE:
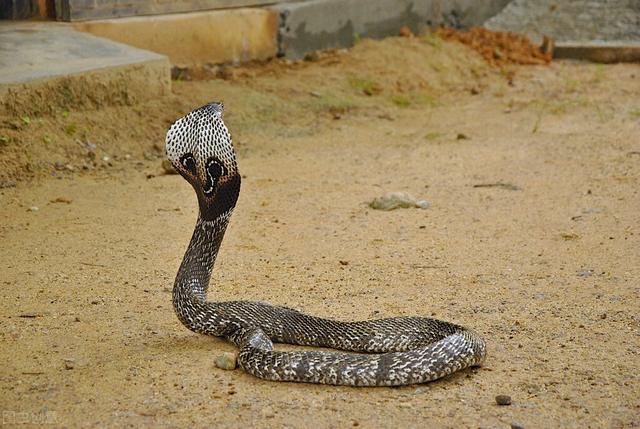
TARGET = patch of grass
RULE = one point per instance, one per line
(599, 74)
(334, 104)
(71, 129)
(417, 98)
(26, 120)
(437, 67)
(634, 114)
(500, 89)
(425, 99)
(536, 125)
(67, 94)
(604, 114)
(571, 85)
(47, 139)
(432, 39)
(561, 106)
(567, 236)
(433, 136)
(401, 100)
(364, 85)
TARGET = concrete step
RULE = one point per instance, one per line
(45, 66)
(197, 38)
(82, 10)
(614, 51)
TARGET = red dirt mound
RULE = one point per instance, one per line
(499, 48)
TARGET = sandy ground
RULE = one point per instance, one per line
(545, 266)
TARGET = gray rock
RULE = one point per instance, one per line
(503, 400)
(268, 412)
(395, 200)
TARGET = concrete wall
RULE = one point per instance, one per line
(25, 9)
(321, 24)
(289, 29)
(83, 10)
(571, 20)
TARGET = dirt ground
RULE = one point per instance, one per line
(532, 239)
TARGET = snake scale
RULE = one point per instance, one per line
(385, 352)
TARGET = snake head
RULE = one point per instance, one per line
(199, 147)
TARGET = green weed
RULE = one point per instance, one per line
(366, 86)
(401, 101)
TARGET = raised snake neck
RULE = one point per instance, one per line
(388, 352)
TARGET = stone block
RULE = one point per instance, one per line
(44, 67)
(213, 37)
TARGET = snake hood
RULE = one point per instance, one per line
(199, 147)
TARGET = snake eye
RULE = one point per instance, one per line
(189, 163)
(215, 169)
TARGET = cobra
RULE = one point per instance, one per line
(384, 352)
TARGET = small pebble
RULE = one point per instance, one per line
(33, 209)
(268, 412)
(406, 32)
(515, 425)
(312, 56)
(585, 273)
(503, 400)
(167, 167)
(69, 364)
(227, 361)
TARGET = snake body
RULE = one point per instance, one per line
(385, 352)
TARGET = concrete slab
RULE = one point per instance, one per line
(215, 37)
(567, 21)
(40, 62)
(29, 52)
(320, 24)
(599, 51)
